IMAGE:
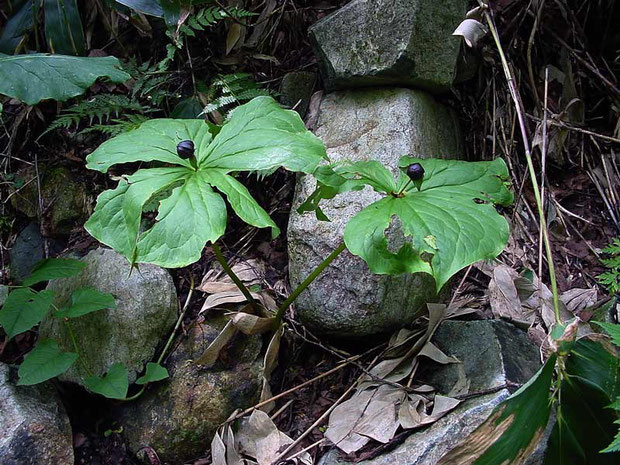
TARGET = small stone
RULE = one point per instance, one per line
(34, 427)
(296, 89)
(178, 417)
(28, 249)
(347, 300)
(492, 353)
(145, 314)
(389, 42)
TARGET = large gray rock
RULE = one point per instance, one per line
(145, 313)
(492, 353)
(178, 417)
(347, 300)
(390, 42)
(34, 427)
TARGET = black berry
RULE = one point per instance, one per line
(415, 172)
(185, 149)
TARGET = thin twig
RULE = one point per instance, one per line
(321, 418)
(293, 389)
(526, 144)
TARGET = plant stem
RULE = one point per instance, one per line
(220, 258)
(528, 156)
(69, 326)
(404, 187)
(302, 287)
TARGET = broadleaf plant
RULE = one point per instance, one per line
(25, 307)
(259, 135)
(446, 219)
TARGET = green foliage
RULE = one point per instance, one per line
(204, 18)
(63, 26)
(154, 372)
(588, 381)
(113, 385)
(53, 268)
(86, 300)
(23, 310)
(44, 362)
(522, 419)
(258, 135)
(149, 91)
(611, 278)
(25, 307)
(229, 90)
(446, 225)
(38, 76)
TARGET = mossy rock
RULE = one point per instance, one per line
(64, 203)
(179, 416)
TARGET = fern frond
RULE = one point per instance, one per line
(611, 278)
(232, 89)
(120, 126)
(100, 108)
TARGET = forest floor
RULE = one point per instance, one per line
(574, 44)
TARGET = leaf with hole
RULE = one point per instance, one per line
(44, 362)
(447, 224)
(23, 309)
(259, 135)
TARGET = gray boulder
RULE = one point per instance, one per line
(492, 353)
(179, 416)
(144, 316)
(347, 300)
(389, 42)
(34, 427)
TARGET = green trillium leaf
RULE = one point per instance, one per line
(450, 223)
(259, 135)
(113, 385)
(44, 362)
(23, 309)
(54, 268)
(86, 300)
(39, 76)
(154, 372)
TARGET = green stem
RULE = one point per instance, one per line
(220, 258)
(530, 165)
(404, 187)
(302, 287)
(74, 342)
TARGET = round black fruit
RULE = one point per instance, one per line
(185, 149)
(415, 172)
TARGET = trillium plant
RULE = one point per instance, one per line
(445, 209)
